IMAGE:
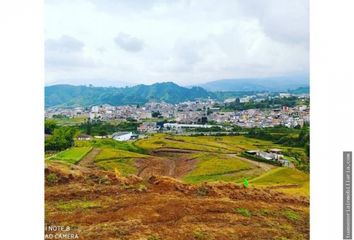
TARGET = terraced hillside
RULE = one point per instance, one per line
(176, 187)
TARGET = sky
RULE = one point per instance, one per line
(189, 42)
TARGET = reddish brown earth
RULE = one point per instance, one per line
(100, 205)
(166, 163)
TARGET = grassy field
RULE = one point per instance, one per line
(124, 165)
(218, 144)
(70, 121)
(282, 177)
(216, 167)
(72, 155)
(112, 153)
(111, 143)
(215, 159)
(124, 161)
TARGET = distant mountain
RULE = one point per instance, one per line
(68, 95)
(300, 90)
(272, 84)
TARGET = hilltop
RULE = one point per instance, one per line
(68, 95)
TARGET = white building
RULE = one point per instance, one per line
(122, 136)
(95, 109)
(178, 125)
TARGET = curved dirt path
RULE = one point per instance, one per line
(89, 159)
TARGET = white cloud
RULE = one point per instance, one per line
(129, 43)
(186, 41)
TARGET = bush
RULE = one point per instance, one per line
(291, 215)
(154, 237)
(200, 235)
(52, 178)
(243, 211)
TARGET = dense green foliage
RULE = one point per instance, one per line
(61, 139)
(282, 135)
(49, 126)
(101, 128)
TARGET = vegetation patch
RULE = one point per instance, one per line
(52, 178)
(111, 153)
(113, 144)
(282, 176)
(124, 165)
(76, 204)
(201, 235)
(154, 237)
(72, 155)
(214, 167)
(291, 215)
(243, 211)
(202, 191)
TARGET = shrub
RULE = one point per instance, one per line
(291, 215)
(154, 237)
(243, 211)
(52, 178)
(200, 235)
(141, 188)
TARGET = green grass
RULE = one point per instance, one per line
(216, 167)
(111, 153)
(154, 237)
(124, 165)
(72, 155)
(200, 235)
(76, 205)
(285, 176)
(111, 143)
(291, 215)
(216, 144)
(70, 121)
(282, 176)
(243, 211)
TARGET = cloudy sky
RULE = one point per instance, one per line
(126, 42)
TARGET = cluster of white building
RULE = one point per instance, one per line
(192, 112)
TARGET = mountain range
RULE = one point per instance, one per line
(64, 95)
(68, 95)
(271, 84)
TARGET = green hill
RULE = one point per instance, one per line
(68, 95)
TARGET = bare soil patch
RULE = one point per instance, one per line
(133, 208)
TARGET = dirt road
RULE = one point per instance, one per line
(89, 159)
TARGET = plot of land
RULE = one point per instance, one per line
(106, 207)
(176, 187)
(287, 180)
(72, 155)
(215, 167)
